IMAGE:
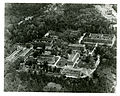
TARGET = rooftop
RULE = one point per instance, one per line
(101, 36)
(101, 39)
(49, 58)
(76, 45)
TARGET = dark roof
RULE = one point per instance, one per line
(46, 39)
(39, 44)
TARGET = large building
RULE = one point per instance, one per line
(20, 52)
(49, 58)
(101, 39)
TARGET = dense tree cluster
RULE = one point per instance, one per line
(57, 17)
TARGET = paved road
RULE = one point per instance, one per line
(57, 60)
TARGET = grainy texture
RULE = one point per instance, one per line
(46, 43)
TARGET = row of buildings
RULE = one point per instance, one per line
(101, 39)
(67, 65)
(70, 66)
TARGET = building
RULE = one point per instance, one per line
(20, 52)
(80, 72)
(113, 26)
(61, 63)
(49, 58)
(26, 53)
(46, 40)
(72, 58)
(101, 39)
(48, 46)
(13, 55)
(76, 46)
(47, 34)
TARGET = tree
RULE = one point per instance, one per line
(28, 45)
(69, 51)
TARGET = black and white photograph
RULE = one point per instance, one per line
(60, 47)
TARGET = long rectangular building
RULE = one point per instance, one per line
(101, 39)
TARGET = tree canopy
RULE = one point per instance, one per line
(55, 17)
